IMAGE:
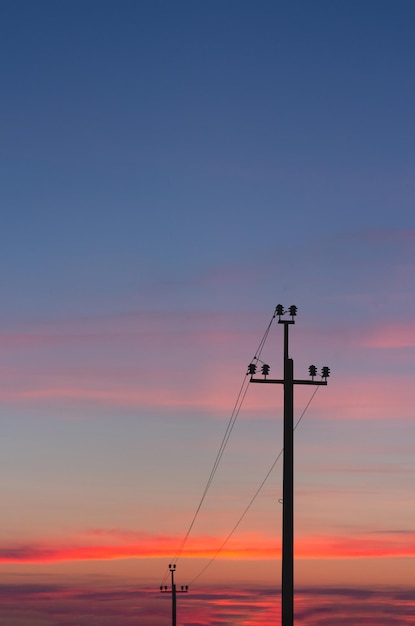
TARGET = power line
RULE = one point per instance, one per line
(253, 498)
(241, 396)
(235, 412)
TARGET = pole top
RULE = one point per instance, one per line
(280, 311)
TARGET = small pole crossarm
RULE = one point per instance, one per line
(173, 590)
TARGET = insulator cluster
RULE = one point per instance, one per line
(280, 311)
(325, 371)
(252, 369)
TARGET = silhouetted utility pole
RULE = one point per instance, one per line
(287, 596)
(173, 591)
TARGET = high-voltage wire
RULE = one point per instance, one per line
(219, 550)
(235, 412)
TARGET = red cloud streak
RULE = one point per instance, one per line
(249, 547)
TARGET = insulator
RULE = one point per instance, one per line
(279, 310)
(265, 369)
(325, 372)
(292, 310)
(251, 369)
(313, 370)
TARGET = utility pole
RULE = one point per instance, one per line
(287, 594)
(173, 590)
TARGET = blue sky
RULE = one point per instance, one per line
(152, 142)
(170, 172)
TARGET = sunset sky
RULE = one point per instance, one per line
(171, 171)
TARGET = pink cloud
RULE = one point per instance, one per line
(400, 335)
(191, 362)
(367, 397)
(216, 393)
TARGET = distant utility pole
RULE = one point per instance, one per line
(173, 591)
(287, 596)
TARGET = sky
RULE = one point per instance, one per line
(170, 172)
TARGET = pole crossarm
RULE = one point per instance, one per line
(281, 381)
(174, 591)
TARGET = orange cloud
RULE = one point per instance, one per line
(121, 545)
(368, 546)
